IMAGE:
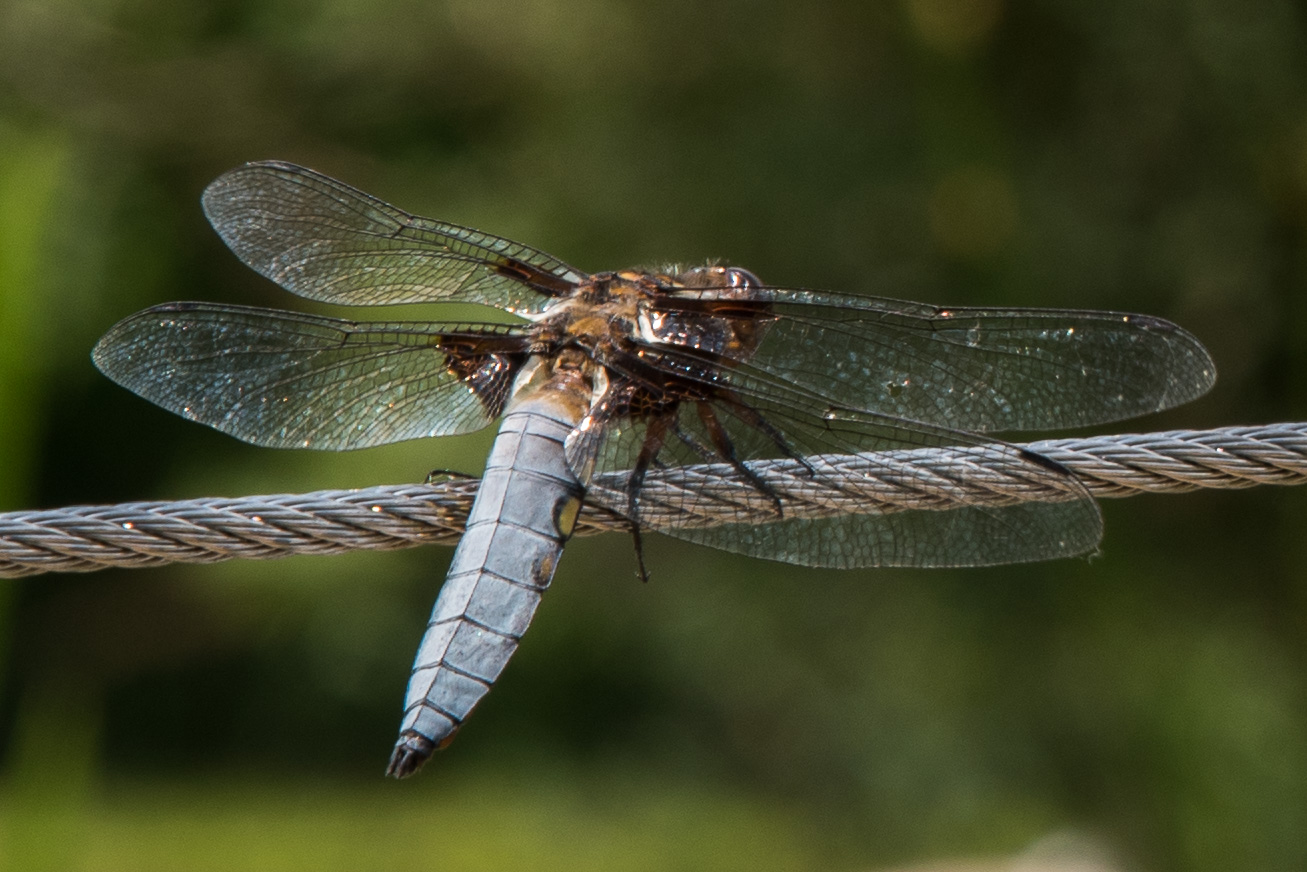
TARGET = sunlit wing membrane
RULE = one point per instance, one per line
(974, 369)
(820, 515)
(290, 380)
(327, 241)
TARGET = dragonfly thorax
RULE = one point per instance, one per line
(612, 311)
(601, 314)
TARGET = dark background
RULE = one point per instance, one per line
(1142, 710)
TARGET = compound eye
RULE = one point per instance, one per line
(726, 276)
(738, 277)
(721, 278)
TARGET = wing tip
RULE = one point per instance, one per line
(219, 192)
(1189, 367)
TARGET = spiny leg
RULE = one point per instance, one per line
(436, 475)
(655, 435)
(751, 416)
(706, 453)
(722, 442)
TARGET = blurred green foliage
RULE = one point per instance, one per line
(730, 714)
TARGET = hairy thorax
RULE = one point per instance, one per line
(712, 311)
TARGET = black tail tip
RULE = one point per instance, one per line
(411, 751)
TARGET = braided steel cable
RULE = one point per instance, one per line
(86, 538)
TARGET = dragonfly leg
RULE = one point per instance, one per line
(722, 441)
(436, 475)
(754, 418)
(706, 454)
(655, 437)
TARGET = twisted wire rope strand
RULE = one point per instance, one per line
(87, 538)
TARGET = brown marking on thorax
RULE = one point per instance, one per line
(603, 311)
(625, 316)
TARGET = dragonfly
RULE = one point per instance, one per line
(610, 381)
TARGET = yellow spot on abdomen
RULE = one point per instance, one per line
(565, 520)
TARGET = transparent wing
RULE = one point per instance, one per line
(289, 380)
(327, 241)
(974, 369)
(816, 512)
